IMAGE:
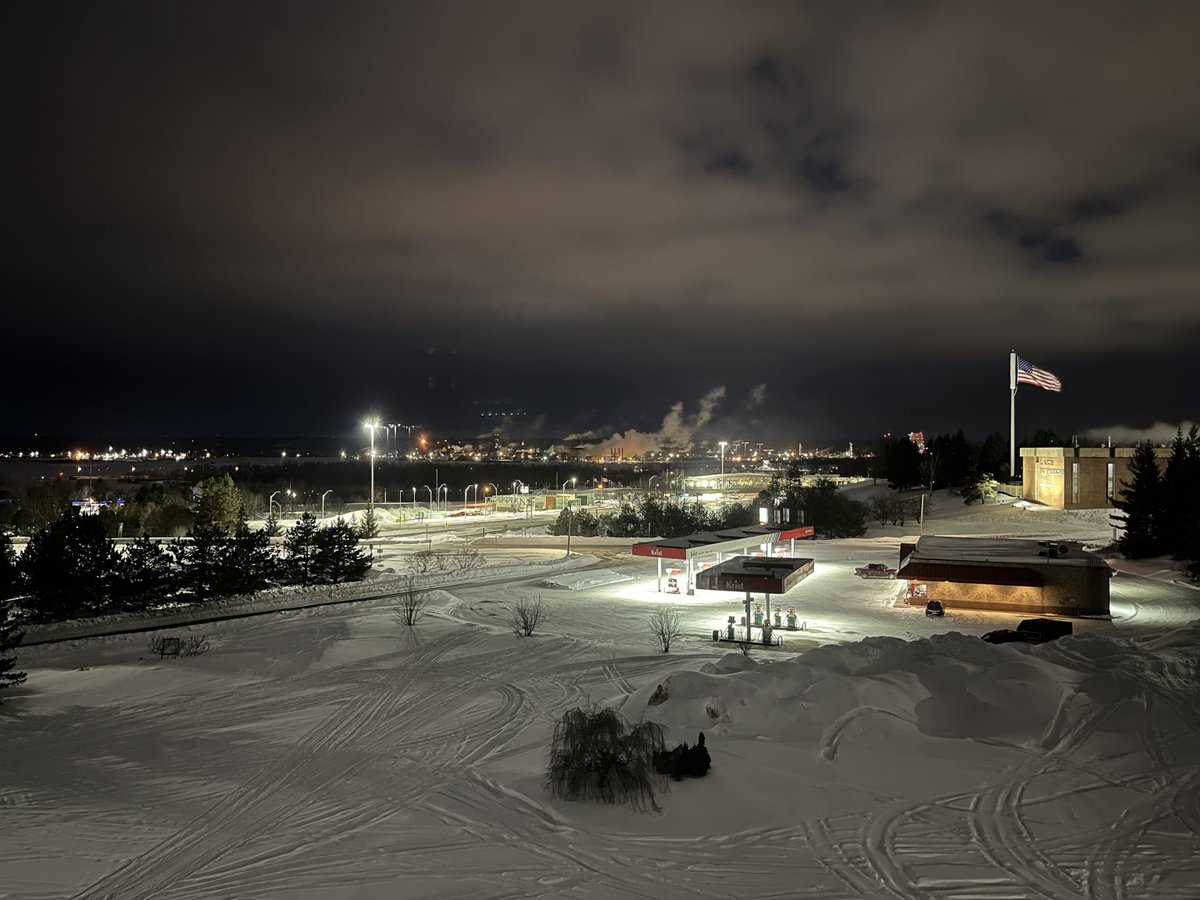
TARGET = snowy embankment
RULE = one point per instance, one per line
(284, 599)
(581, 581)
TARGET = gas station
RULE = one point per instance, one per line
(698, 552)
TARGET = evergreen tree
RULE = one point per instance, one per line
(252, 563)
(68, 569)
(10, 574)
(902, 463)
(993, 456)
(1141, 501)
(368, 524)
(1181, 496)
(10, 639)
(953, 455)
(203, 560)
(339, 557)
(145, 575)
(218, 504)
(300, 543)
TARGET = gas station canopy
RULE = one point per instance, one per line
(730, 540)
(754, 573)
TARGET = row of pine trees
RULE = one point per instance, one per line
(71, 568)
(1161, 507)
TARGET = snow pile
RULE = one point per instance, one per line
(579, 581)
(950, 686)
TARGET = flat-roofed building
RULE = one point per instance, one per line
(1078, 477)
(1027, 576)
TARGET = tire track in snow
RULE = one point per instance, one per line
(246, 809)
(369, 745)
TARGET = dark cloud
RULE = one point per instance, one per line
(603, 208)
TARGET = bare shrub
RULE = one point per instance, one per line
(527, 615)
(465, 559)
(597, 755)
(162, 645)
(666, 625)
(193, 646)
(423, 562)
(412, 604)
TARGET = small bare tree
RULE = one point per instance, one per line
(422, 562)
(412, 604)
(666, 625)
(466, 559)
(527, 614)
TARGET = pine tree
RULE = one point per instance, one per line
(338, 554)
(368, 525)
(218, 504)
(68, 569)
(1181, 496)
(10, 574)
(301, 546)
(10, 639)
(1141, 501)
(252, 564)
(145, 575)
(203, 559)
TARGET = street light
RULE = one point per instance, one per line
(428, 488)
(722, 445)
(271, 506)
(572, 480)
(466, 490)
(444, 490)
(323, 496)
(371, 425)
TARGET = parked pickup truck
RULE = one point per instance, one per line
(875, 570)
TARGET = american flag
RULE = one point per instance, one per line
(1028, 373)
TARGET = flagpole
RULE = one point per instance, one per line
(1012, 414)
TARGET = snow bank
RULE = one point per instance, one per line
(950, 686)
(579, 581)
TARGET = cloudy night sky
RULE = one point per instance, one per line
(273, 217)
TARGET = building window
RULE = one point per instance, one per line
(1111, 472)
(1074, 482)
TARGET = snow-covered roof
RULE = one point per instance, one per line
(1003, 551)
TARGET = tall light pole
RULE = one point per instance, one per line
(722, 445)
(444, 491)
(428, 488)
(371, 425)
(271, 506)
(571, 480)
(323, 496)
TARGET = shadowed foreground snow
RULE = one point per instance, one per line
(333, 753)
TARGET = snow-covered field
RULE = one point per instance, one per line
(334, 753)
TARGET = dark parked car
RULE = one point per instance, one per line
(1038, 631)
(935, 608)
(1004, 636)
(875, 570)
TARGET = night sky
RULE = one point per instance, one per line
(248, 218)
